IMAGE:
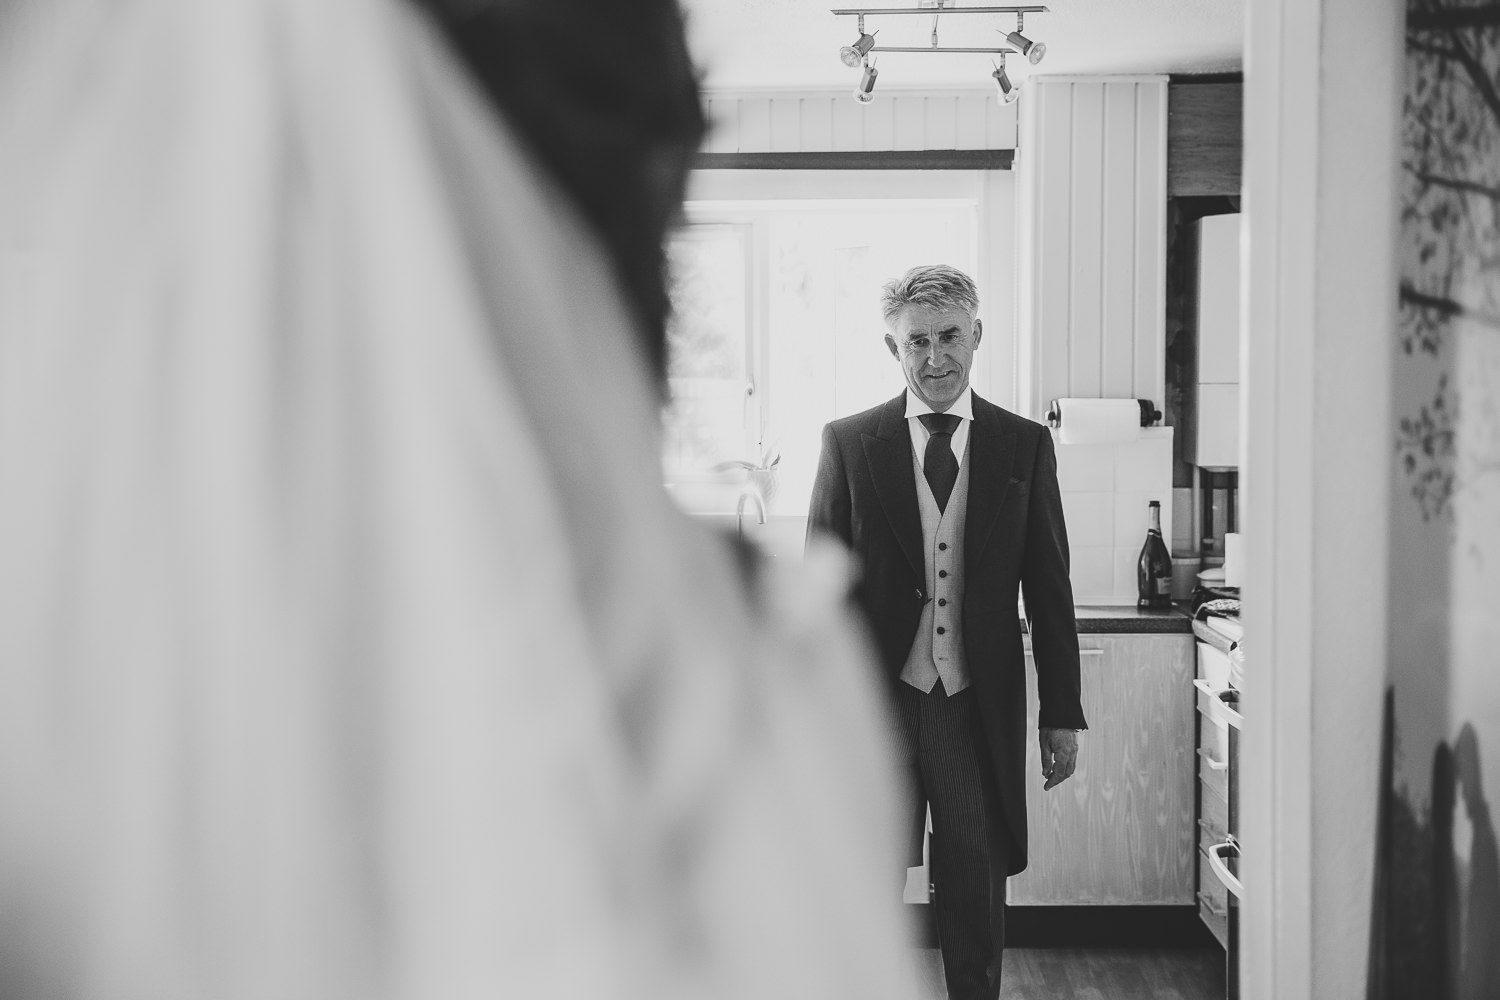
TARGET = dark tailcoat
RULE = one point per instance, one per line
(866, 495)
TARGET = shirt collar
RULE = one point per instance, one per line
(962, 407)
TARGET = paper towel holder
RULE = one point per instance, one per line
(1149, 413)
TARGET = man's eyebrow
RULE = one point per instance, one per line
(923, 333)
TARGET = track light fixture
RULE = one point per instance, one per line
(864, 92)
(853, 55)
(1017, 43)
(1004, 88)
(1033, 51)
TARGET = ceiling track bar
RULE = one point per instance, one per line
(923, 48)
(942, 10)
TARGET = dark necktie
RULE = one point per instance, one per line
(939, 463)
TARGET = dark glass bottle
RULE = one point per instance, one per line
(1153, 572)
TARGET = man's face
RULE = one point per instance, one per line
(935, 346)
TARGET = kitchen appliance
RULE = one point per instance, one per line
(1217, 490)
(1224, 857)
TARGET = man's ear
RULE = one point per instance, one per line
(891, 343)
(978, 331)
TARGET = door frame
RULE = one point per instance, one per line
(1323, 88)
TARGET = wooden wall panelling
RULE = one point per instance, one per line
(880, 124)
(1151, 244)
(940, 123)
(1028, 268)
(1117, 293)
(1001, 124)
(816, 118)
(1054, 212)
(831, 121)
(909, 123)
(1095, 238)
(848, 126)
(1086, 278)
(723, 125)
(754, 126)
(786, 126)
(972, 121)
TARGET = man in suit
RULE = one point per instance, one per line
(950, 505)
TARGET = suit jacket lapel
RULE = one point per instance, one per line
(888, 451)
(992, 455)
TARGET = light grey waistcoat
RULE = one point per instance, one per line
(938, 650)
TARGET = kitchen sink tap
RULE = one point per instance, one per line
(739, 511)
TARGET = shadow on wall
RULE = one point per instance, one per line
(1435, 931)
(1448, 439)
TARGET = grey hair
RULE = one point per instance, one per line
(936, 285)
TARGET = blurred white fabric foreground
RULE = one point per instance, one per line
(349, 646)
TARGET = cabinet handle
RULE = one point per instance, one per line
(1229, 715)
(1213, 765)
(1081, 652)
(1216, 856)
(1208, 904)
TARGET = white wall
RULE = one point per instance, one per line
(1322, 101)
(1092, 177)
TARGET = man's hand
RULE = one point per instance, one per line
(1059, 755)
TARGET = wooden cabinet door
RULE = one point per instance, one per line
(1120, 831)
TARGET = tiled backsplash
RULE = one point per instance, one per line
(1105, 492)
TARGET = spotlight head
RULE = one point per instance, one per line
(863, 93)
(1033, 51)
(1005, 89)
(853, 55)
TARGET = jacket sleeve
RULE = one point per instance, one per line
(1049, 597)
(829, 511)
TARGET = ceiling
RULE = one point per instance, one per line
(793, 44)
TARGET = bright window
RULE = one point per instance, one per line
(777, 327)
(709, 344)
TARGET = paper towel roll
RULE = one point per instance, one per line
(1097, 421)
(1234, 554)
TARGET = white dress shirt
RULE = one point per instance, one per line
(962, 407)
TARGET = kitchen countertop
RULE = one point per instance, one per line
(1099, 619)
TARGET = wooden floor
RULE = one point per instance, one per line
(1093, 974)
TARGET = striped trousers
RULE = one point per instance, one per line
(940, 742)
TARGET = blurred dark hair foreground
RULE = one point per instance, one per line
(604, 93)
